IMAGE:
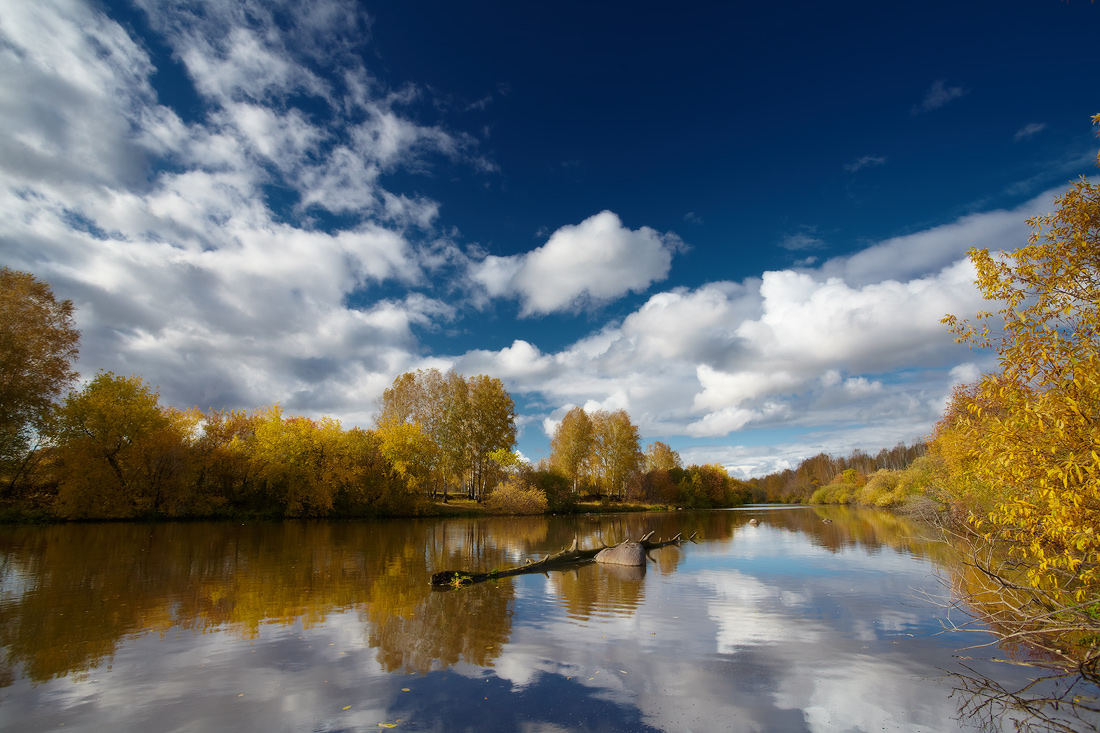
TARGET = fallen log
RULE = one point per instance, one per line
(629, 552)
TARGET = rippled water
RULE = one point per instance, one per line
(792, 625)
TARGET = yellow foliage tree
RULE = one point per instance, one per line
(616, 453)
(572, 446)
(1035, 424)
(222, 449)
(660, 457)
(38, 343)
(118, 453)
(410, 454)
(491, 428)
(462, 422)
(303, 462)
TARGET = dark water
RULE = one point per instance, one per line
(792, 625)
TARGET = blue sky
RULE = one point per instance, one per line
(740, 223)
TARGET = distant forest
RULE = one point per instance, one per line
(799, 484)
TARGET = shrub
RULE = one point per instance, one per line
(881, 489)
(513, 498)
(838, 492)
(556, 487)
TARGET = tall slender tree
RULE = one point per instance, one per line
(617, 454)
(492, 428)
(571, 447)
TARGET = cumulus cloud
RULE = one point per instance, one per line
(191, 248)
(164, 232)
(791, 348)
(937, 96)
(851, 353)
(592, 262)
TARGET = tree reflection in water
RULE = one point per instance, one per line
(72, 595)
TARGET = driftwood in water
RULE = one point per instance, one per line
(625, 553)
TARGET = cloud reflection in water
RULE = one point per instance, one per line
(789, 626)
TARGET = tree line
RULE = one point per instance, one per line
(111, 450)
(599, 454)
(798, 484)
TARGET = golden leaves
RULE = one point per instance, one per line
(1031, 433)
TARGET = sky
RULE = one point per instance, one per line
(740, 222)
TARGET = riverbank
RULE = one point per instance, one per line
(456, 507)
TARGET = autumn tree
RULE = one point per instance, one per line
(223, 469)
(492, 428)
(710, 486)
(118, 453)
(413, 424)
(663, 471)
(616, 452)
(306, 464)
(403, 401)
(1034, 421)
(571, 447)
(451, 395)
(462, 421)
(411, 454)
(660, 457)
(38, 343)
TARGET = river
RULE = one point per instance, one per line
(792, 624)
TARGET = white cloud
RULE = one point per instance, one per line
(588, 263)
(800, 241)
(791, 349)
(931, 250)
(851, 354)
(1029, 130)
(937, 96)
(866, 161)
(725, 390)
(160, 230)
(66, 102)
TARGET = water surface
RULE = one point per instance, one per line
(792, 625)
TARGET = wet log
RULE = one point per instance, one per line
(630, 552)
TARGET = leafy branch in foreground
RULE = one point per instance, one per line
(1033, 427)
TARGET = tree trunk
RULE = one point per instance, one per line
(571, 555)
